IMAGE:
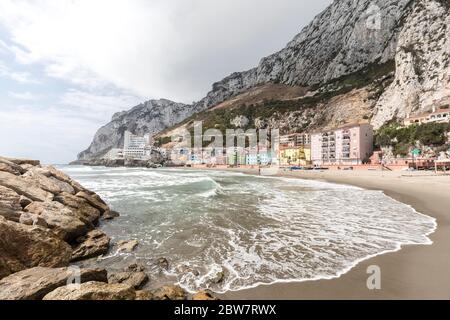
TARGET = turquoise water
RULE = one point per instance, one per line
(257, 230)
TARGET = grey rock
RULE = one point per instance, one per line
(148, 118)
(23, 186)
(62, 220)
(93, 244)
(169, 293)
(93, 291)
(23, 247)
(135, 279)
(10, 207)
(35, 283)
(127, 245)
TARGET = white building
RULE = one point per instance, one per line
(135, 146)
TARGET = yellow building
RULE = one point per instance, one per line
(295, 156)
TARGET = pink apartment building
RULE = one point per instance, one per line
(349, 145)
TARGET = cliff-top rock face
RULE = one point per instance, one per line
(422, 77)
(349, 36)
(150, 117)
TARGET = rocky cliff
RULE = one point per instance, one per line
(341, 46)
(150, 117)
(422, 78)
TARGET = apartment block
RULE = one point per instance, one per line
(349, 145)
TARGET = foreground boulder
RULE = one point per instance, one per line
(169, 293)
(134, 276)
(23, 247)
(24, 186)
(80, 206)
(22, 162)
(11, 167)
(35, 283)
(204, 296)
(93, 291)
(10, 207)
(94, 200)
(127, 246)
(63, 221)
(61, 176)
(93, 244)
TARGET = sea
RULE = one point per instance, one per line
(227, 231)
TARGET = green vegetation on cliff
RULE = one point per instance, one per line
(402, 139)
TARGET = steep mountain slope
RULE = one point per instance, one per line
(422, 78)
(347, 37)
(343, 63)
(150, 117)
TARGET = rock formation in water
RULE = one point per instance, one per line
(345, 54)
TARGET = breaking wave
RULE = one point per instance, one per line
(228, 231)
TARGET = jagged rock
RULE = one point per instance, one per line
(187, 269)
(10, 207)
(24, 201)
(23, 247)
(169, 293)
(110, 215)
(8, 166)
(94, 200)
(163, 263)
(93, 244)
(204, 296)
(35, 283)
(135, 279)
(127, 245)
(63, 186)
(219, 278)
(61, 176)
(20, 162)
(93, 291)
(144, 295)
(26, 167)
(80, 206)
(33, 220)
(148, 118)
(63, 221)
(36, 175)
(422, 73)
(135, 267)
(24, 187)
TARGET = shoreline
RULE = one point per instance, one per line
(411, 272)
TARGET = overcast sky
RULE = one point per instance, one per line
(66, 66)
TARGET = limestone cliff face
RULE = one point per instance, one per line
(150, 117)
(348, 37)
(422, 78)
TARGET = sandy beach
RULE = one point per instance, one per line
(415, 272)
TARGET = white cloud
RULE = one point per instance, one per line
(25, 96)
(172, 49)
(100, 106)
(51, 136)
(22, 77)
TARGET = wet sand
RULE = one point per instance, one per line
(415, 272)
